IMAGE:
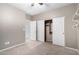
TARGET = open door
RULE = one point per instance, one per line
(40, 30)
(58, 31)
(33, 30)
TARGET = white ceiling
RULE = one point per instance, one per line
(36, 9)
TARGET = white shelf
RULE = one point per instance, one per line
(76, 19)
(76, 16)
(76, 27)
(77, 12)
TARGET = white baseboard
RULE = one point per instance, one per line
(24, 43)
(11, 47)
(73, 49)
(77, 50)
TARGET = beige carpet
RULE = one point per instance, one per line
(39, 48)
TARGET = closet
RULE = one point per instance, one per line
(48, 30)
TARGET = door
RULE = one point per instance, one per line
(27, 30)
(58, 31)
(33, 30)
(40, 30)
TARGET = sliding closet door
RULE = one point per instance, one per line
(58, 31)
(33, 30)
(27, 30)
(40, 30)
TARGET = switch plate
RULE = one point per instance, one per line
(7, 43)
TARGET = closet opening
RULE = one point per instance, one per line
(48, 30)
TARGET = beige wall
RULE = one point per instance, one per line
(12, 23)
(68, 12)
(78, 33)
(78, 39)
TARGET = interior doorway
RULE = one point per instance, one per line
(48, 30)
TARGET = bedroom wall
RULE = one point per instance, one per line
(12, 25)
(78, 32)
(68, 12)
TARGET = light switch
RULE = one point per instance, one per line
(6, 43)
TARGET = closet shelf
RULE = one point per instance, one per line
(76, 16)
(76, 19)
(76, 27)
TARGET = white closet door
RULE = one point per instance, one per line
(27, 30)
(40, 30)
(58, 31)
(33, 30)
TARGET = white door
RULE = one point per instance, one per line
(33, 30)
(58, 31)
(27, 30)
(40, 30)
